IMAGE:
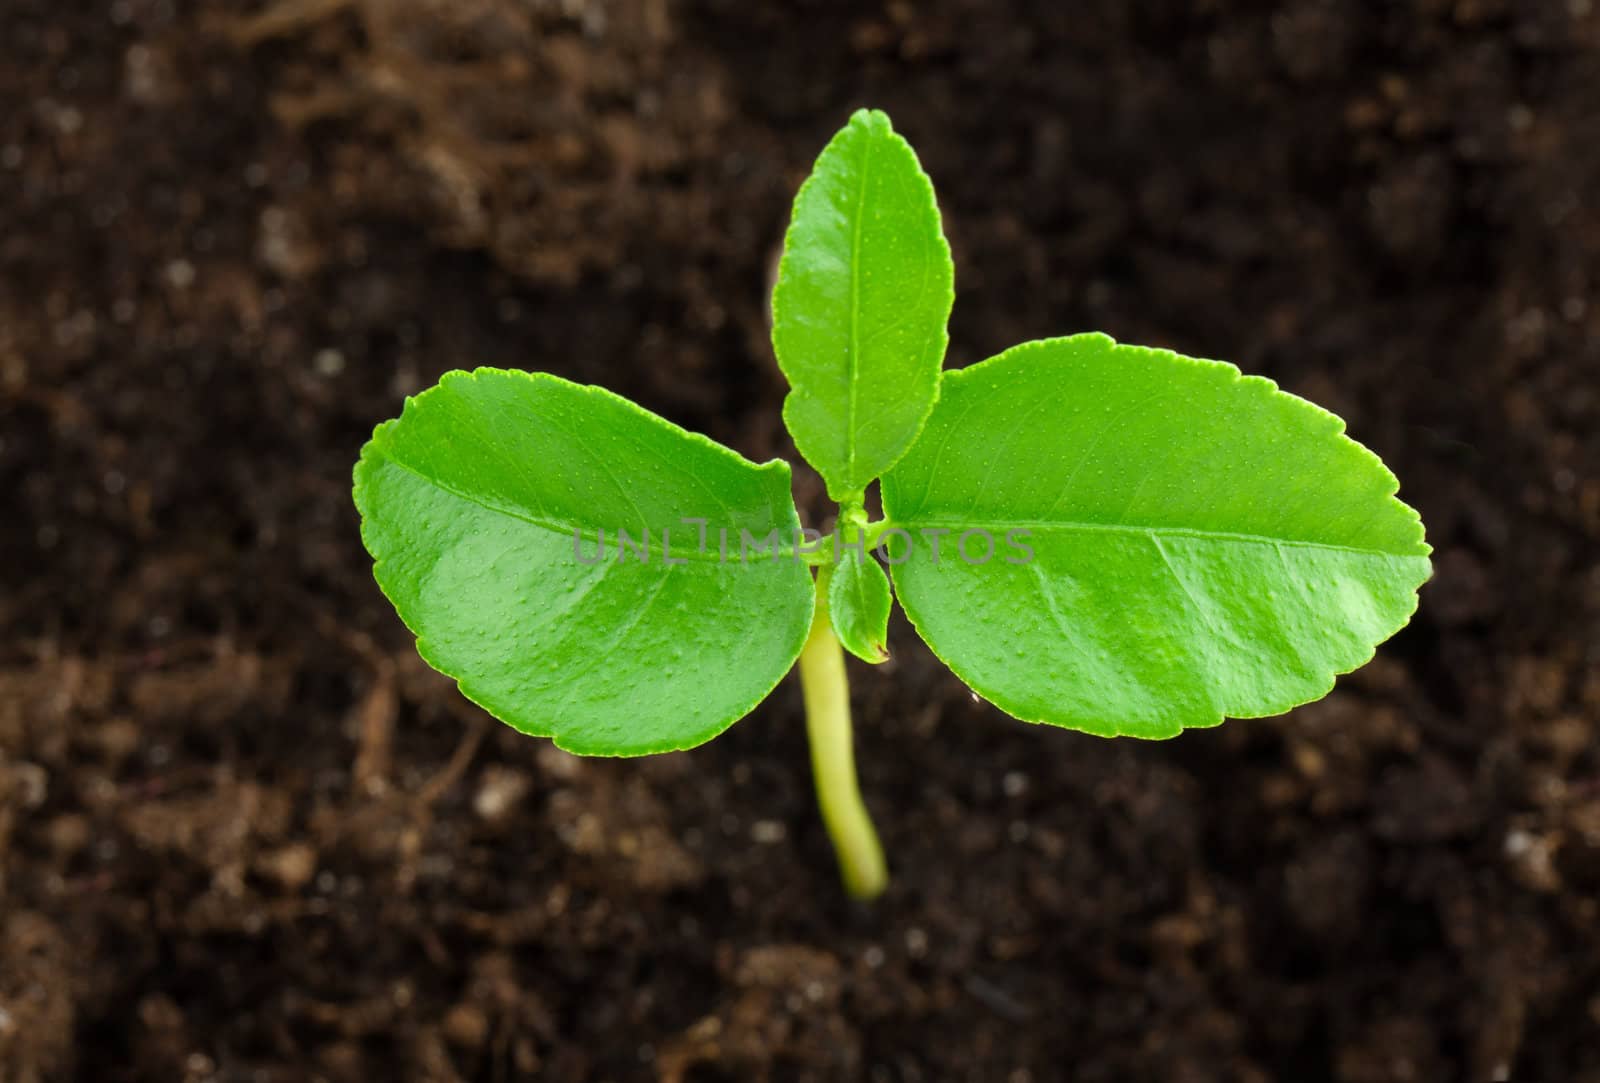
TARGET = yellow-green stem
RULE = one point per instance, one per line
(833, 758)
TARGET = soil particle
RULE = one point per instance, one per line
(245, 834)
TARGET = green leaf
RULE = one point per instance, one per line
(858, 605)
(859, 310)
(1204, 545)
(470, 501)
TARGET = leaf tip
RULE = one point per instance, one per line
(870, 119)
(872, 652)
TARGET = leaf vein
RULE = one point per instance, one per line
(855, 309)
(1101, 435)
(1146, 531)
(556, 526)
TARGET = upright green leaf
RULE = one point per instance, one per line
(483, 506)
(1202, 544)
(858, 606)
(859, 311)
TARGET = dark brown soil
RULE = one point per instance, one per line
(245, 835)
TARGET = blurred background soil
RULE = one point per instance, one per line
(245, 835)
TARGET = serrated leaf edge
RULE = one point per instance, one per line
(796, 391)
(1207, 722)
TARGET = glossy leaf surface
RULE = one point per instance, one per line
(858, 604)
(1204, 545)
(859, 311)
(470, 501)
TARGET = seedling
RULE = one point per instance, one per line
(1106, 538)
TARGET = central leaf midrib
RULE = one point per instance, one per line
(852, 362)
(566, 529)
(1129, 528)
